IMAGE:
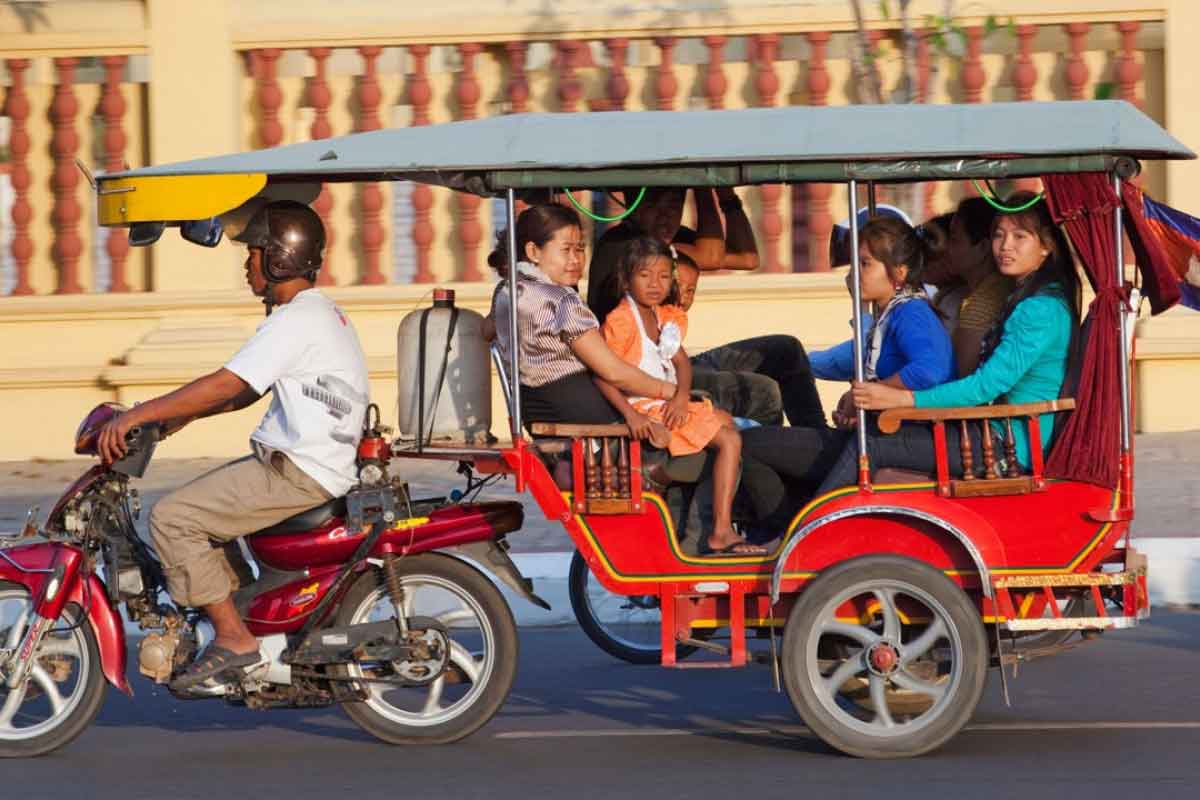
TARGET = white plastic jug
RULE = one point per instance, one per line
(442, 358)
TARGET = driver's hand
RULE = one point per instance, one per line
(111, 444)
(845, 416)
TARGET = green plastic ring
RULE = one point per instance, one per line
(996, 204)
(601, 218)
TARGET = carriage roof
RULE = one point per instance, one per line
(886, 143)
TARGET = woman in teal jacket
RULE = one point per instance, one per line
(1025, 358)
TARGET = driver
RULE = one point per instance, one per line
(308, 356)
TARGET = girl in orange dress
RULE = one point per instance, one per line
(643, 331)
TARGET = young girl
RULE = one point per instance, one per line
(646, 333)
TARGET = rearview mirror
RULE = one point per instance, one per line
(145, 233)
(204, 232)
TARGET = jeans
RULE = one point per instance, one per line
(911, 447)
(761, 379)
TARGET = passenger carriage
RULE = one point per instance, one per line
(884, 603)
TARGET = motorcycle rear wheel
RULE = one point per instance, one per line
(39, 717)
(483, 652)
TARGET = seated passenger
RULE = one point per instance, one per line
(560, 338)
(761, 378)
(974, 290)
(645, 332)
(906, 345)
(1025, 357)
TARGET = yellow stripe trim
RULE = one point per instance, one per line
(171, 198)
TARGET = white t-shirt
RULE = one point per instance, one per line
(308, 353)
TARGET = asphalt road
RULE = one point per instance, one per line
(1120, 716)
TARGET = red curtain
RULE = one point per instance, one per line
(1089, 446)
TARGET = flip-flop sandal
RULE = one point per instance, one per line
(215, 661)
(731, 551)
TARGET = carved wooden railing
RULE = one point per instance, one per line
(996, 476)
(606, 467)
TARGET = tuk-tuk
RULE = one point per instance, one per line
(884, 603)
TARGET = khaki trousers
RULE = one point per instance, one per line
(196, 527)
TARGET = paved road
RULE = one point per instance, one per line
(1117, 717)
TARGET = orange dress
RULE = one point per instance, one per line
(627, 337)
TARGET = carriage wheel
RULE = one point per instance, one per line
(922, 680)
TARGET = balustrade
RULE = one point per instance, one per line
(346, 87)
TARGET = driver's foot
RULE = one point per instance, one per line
(238, 646)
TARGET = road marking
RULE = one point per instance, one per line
(796, 730)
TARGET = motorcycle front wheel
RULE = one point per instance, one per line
(482, 662)
(65, 687)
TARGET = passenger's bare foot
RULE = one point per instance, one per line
(728, 542)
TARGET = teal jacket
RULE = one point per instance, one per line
(1027, 366)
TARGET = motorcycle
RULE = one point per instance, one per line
(374, 601)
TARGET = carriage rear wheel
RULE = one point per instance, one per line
(627, 627)
(901, 676)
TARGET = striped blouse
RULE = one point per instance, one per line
(549, 318)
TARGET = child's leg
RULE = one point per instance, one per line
(726, 420)
(728, 446)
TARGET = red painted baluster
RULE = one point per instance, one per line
(270, 97)
(820, 221)
(518, 79)
(419, 96)
(112, 107)
(766, 86)
(1128, 70)
(64, 144)
(973, 77)
(1076, 71)
(16, 106)
(570, 87)
(320, 98)
(665, 83)
(371, 196)
(1024, 76)
(618, 82)
(715, 83)
(470, 233)
(924, 92)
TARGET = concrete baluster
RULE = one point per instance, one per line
(64, 144)
(766, 86)
(16, 106)
(420, 93)
(321, 98)
(470, 233)
(820, 221)
(370, 195)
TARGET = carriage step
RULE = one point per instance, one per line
(711, 647)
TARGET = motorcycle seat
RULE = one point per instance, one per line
(307, 520)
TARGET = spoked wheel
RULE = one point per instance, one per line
(899, 676)
(65, 687)
(628, 627)
(482, 654)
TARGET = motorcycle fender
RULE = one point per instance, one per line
(105, 621)
(495, 560)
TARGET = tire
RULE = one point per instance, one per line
(477, 616)
(927, 680)
(33, 726)
(633, 632)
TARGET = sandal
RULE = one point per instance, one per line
(216, 661)
(732, 550)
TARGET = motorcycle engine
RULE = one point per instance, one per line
(160, 653)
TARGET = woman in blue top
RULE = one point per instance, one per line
(1024, 358)
(907, 347)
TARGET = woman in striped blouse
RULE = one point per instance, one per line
(560, 337)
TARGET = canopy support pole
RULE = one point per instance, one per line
(864, 469)
(872, 209)
(1123, 316)
(514, 358)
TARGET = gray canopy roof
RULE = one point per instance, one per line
(794, 143)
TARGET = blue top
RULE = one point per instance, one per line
(1027, 366)
(915, 346)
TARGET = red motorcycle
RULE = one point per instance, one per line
(371, 601)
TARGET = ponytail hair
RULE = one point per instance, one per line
(894, 242)
(537, 224)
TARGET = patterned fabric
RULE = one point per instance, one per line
(549, 318)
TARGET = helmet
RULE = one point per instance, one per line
(292, 239)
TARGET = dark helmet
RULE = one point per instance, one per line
(292, 239)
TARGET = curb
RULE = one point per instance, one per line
(1174, 579)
